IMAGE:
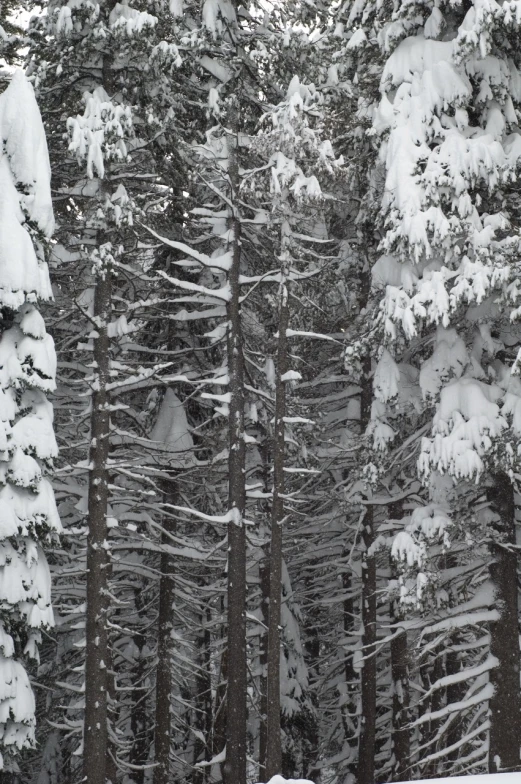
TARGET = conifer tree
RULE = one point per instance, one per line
(30, 519)
(448, 254)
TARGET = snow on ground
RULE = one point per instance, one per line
(281, 780)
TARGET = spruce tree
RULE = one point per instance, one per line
(30, 519)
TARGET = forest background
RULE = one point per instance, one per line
(282, 346)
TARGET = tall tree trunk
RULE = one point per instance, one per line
(436, 703)
(219, 717)
(367, 735)
(163, 718)
(98, 765)
(236, 708)
(112, 705)
(351, 680)
(264, 576)
(311, 739)
(505, 705)
(97, 654)
(367, 738)
(138, 720)
(273, 733)
(455, 693)
(400, 679)
(203, 700)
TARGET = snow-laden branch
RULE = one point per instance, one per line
(219, 262)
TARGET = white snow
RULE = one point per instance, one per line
(130, 19)
(28, 275)
(280, 780)
(26, 149)
(466, 422)
(216, 13)
(171, 430)
(27, 370)
(99, 134)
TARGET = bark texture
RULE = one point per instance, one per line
(505, 705)
(400, 678)
(236, 711)
(97, 653)
(367, 735)
(274, 747)
(366, 747)
(162, 738)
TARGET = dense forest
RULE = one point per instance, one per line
(260, 390)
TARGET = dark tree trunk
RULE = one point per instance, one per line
(112, 706)
(311, 740)
(236, 710)
(400, 678)
(263, 661)
(367, 735)
(505, 705)
(432, 672)
(97, 653)
(219, 721)
(203, 701)
(273, 735)
(138, 719)
(98, 765)
(455, 693)
(264, 578)
(349, 708)
(163, 717)
(367, 741)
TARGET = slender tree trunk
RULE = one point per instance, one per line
(219, 718)
(505, 705)
(455, 693)
(400, 678)
(311, 740)
(367, 741)
(367, 736)
(236, 709)
(163, 718)
(97, 654)
(263, 661)
(351, 680)
(436, 703)
(264, 578)
(273, 735)
(98, 765)
(112, 704)
(203, 701)
(138, 720)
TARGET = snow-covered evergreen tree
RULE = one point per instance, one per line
(443, 120)
(29, 518)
